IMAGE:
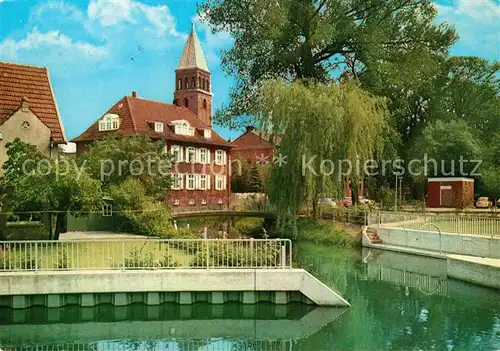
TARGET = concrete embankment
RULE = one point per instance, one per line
(152, 287)
(470, 268)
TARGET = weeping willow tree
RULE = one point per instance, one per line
(327, 133)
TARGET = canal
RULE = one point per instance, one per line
(399, 302)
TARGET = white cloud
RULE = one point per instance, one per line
(50, 42)
(63, 9)
(477, 24)
(157, 19)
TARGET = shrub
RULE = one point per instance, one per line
(64, 260)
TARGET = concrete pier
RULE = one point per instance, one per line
(184, 286)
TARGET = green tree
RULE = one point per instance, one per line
(255, 182)
(34, 182)
(447, 143)
(319, 125)
(240, 174)
(395, 42)
(136, 173)
(115, 159)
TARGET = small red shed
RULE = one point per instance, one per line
(450, 192)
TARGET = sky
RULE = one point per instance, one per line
(97, 51)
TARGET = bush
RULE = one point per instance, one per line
(239, 255)
(321, 231)
(64, 260)
(139, 259)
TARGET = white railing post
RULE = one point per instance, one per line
(283, 256)
(36, 257)
(123, 255)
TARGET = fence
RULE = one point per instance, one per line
(446, 223)
(132, 254)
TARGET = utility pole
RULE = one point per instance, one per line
(396, 195)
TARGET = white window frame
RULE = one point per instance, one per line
(188, 150)
(109, 122)
(202, 177)
(220, 201)
(183, 128)
(177, 178)
(203, 201)
(206, 152)
(220, 182)
(192, 202)
(190, 176)
(159, 127)
(220, 157)
(107, 210)
(173, 150)
(207, 133)
(177, 202)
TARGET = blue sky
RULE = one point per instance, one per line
(100, 50)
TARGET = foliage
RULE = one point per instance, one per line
(385, 197)
(139, 259)
(114, 160)
(226, 254)
(320, 231)
(46, 185)
(490, 182)
(256, 183)
(240, 175)
(64, 260)
(391, 41)
(320, 125)
(447, 142)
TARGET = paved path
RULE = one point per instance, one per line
(98, 236)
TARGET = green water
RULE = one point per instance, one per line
(399, 302)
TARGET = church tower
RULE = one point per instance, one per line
(192, 77)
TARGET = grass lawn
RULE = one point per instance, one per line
(95, 255)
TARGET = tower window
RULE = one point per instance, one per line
(204, 84)
(186, 102)
(205, 104)
(199, 82)
(193, 82)
(186, 84)
(179, 84)
(208, 85)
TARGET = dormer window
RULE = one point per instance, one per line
(207, 133)
(159, 127)
(183, 128)
(109, 122)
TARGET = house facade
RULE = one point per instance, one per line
(28, 109)
(201, 174)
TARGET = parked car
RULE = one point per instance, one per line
(328, 202)
(366, 201)
(483, 202)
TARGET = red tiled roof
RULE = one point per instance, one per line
(18, 81)
(251, 140)
(136, 113)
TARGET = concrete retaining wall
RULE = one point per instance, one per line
(478, 272)
(180, 285)
(472, 245)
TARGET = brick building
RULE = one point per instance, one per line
(28, 109)
(450, 192)
(201, 177)
(255, 146)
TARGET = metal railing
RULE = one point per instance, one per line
(447, 223)
(130, 254)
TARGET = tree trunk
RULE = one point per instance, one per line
(3, 226)
(59, 224)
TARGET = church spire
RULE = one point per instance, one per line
(192, 56)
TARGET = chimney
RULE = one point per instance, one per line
(25, 104)
(250, 128)
(134, 94)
